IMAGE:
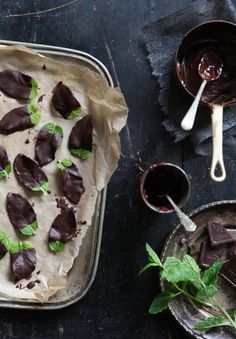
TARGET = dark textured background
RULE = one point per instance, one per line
(117, 304)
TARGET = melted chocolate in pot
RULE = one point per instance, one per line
(220, 41)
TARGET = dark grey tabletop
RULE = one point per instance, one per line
(116, 305)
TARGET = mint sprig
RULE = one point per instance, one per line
(34, 113)
(63, 164)
(34, 89)
(53, 128)
(5, 173)
(30, 229)
(80, 153)
(43, 188)
(56, 246)
(187, 280)
(74, 113)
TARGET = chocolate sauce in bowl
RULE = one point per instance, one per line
(213, 38)
(163, 179)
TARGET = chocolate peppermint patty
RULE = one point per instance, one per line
(18, 85)
(62, 230)
(21, 214)
(81, 138)
(23, 260)
(19, 119)
(48, 140)
(30, 174)
(65, 102)
(73, 187)
(5, 164)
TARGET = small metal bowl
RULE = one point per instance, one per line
(182, 185)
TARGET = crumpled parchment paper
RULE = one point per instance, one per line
(109, 111)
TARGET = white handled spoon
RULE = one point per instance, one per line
(188, 224)
(210, 69)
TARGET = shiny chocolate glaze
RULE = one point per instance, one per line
(17, 119)
(81, 134)
(23, 263)
(15, 84)
(4, 161)
(63, 100)
(28, 171)
(46, 145)
(63, 227)
(19, 210)
(213, 37)
(3, 250)
(73, 187)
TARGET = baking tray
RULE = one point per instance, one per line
(83, 272)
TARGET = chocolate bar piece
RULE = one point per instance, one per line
(218, 234)
(228, 271)
(208, 255)
(232, 249)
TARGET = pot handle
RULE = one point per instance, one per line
(217, 143)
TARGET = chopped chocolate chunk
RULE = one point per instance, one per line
(208, 255)
(228, 271)
(19, 119)
(194, 248)
(73, 187)
(27, 141)
(64, 102)
(3, 250)
(218, 234)
(81, 138)
(23, 263)
(18, 85)
(40, 99)
(30, 174)
(44, 66)
(21, 214)
(49, 139)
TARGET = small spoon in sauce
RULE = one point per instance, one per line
(210, 69)
(188, 224)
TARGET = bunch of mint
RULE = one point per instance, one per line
(185, 276)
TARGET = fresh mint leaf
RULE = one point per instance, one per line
(34, 90)
(152, 256)
(147, 266)
(160, 303)
(43, 188)
(63, 164)
(80, 153)
(56, 246)
(34, 113)
(208, 323)
(191, 263)
(74, 113)
(210, 276)
(53, 128)
(176, 271)
(207, 292)
(234, 315)
(6, 172)
(30, 229)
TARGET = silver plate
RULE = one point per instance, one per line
(83, 272)
(188, 314)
